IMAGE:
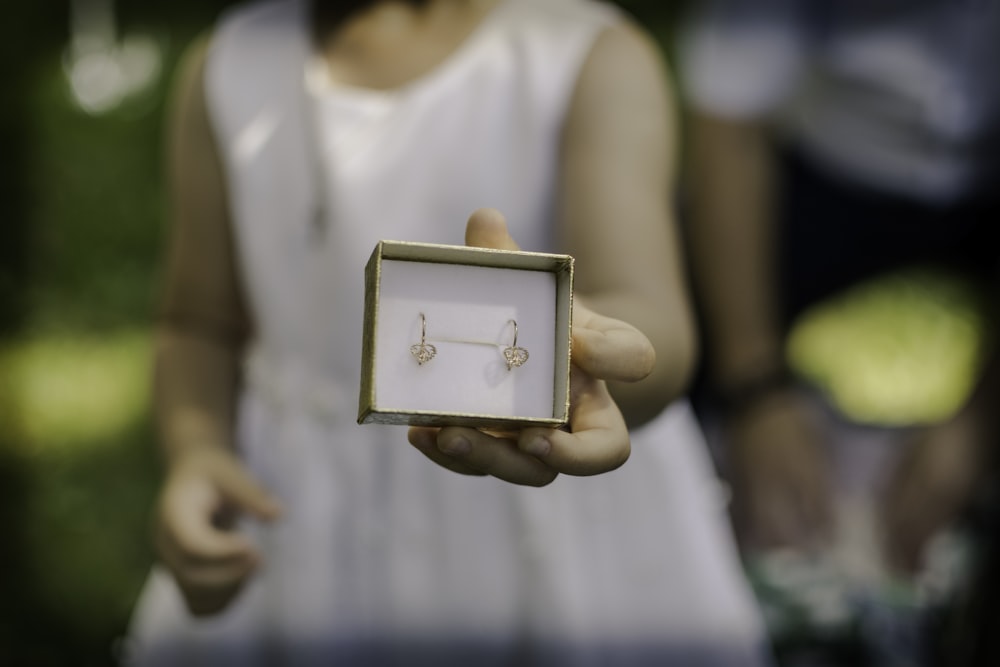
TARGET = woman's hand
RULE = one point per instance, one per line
(205, 490)
(930, 486)
(597, 440)
(780, 476)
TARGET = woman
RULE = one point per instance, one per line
(303, 136)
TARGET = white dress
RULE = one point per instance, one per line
(382, 557)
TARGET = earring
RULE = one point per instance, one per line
(423, 351)
(514, 355)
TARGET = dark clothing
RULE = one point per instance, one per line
(836, 234)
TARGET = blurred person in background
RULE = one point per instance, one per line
(302, 135)
(831, 142)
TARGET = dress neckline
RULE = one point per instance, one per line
(320, 83)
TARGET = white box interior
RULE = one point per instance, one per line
(468, 312)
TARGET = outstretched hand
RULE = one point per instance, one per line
(597, 439)
(931, 485)
(782, 495)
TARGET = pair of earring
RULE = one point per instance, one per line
(423, 351)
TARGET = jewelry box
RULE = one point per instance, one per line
(460, 336)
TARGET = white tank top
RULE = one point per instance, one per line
(486, 124)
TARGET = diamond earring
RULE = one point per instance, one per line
(514, 356)
(423, 351)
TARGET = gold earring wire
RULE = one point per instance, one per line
(514, 356)
(423, 351)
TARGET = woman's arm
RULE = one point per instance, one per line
(617, 209)
(199, 341)
(616, 206)
(775, 456)
(733, 184)
(203, 325)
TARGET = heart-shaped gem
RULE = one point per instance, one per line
(423, 352)
(515, 356)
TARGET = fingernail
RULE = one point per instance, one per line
(456, 446)
(538, 446)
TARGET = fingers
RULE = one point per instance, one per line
(906, 533)
(246, 494)
(209, 562)
(598, 442)
(496, 456)
(598, 439)
(610, 349)
(208, 584)
(195, 496)
(766, 522)
(473, 452)
(192, 533)
(905, 517)
(426, 440)
(931, 484)
(209, 565)
(487, 228)
(780, 475)
(914, 510)
(789, 516)
(780, 513)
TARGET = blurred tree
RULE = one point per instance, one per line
(32, 29)
(168, 11)
(657, 15)
(32, 38)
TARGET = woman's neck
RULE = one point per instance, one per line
(385, 44)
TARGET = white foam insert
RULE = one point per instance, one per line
(465, 303)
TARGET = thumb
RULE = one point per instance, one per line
(610, 349)
(249, 496)
(487, 228)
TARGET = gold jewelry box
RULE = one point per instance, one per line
(461, 336)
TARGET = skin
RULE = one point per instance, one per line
(619, 135)
(775, 455)
(941, 470)
(628, 269)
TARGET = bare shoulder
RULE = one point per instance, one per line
(202, 289)
(627, 60)
(188, 95)
(623, 101)
(193, 154)
(624, 87)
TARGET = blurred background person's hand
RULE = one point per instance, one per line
(780, 474)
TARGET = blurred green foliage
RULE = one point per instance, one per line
(82, 225)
